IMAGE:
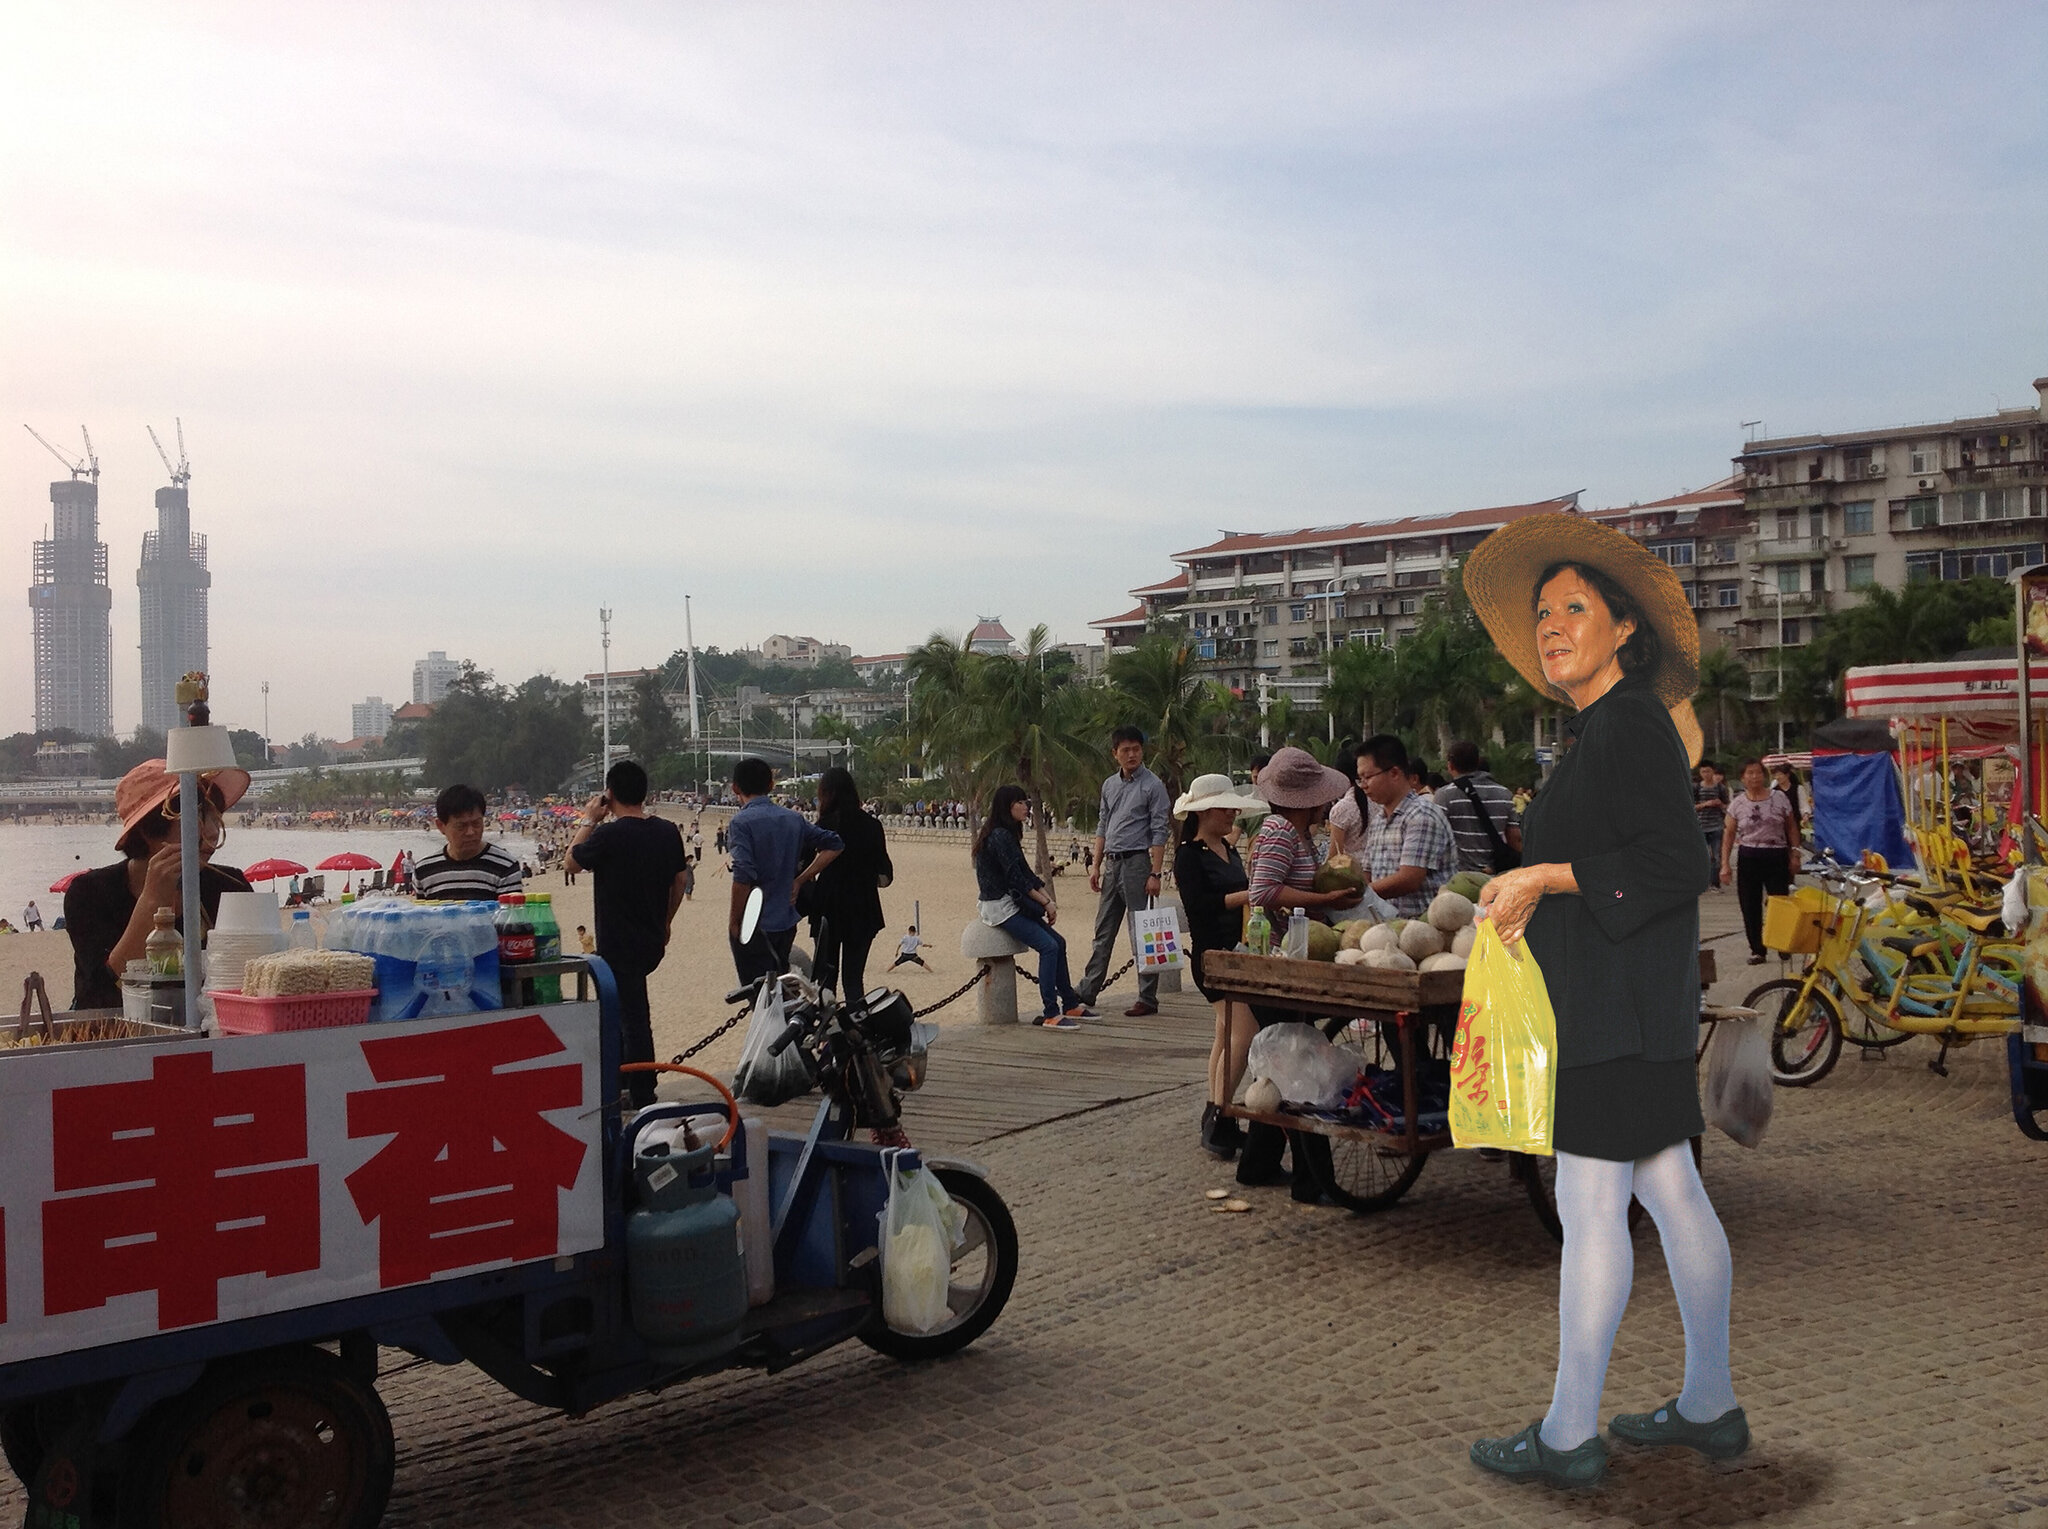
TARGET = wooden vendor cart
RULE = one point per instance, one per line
(1391, 1020)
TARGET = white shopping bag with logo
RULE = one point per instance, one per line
(1157, 941)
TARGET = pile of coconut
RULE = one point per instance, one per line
(1439, 941)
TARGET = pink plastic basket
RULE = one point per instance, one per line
(242, 1015)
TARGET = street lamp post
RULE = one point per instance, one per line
(604, 627)
(1780, 593)
(266, 724)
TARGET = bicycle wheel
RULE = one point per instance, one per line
(1366, 1176)
(1806, 1030)
(1862, 1029)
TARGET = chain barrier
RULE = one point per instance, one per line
(931, 1008)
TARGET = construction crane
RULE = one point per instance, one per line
(182, 473)
(88, 467)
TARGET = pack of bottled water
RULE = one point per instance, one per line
(431, 958)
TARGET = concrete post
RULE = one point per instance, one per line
(995, 995)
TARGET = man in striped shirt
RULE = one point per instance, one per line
(1471, 792)
(468, 869)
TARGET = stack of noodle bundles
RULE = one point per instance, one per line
(296, 973)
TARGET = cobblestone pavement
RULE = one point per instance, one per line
(1160, 1364)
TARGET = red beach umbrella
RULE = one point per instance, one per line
(63, 882)
(348, 861)
(270, 870)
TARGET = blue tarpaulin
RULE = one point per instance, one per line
(1856, 807)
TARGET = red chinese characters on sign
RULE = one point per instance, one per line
(473, 1171)
(196, 1175)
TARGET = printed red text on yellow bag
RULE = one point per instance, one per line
(1504, 1062)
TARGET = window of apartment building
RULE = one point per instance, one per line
(2005, 504)
(1298, 648)
(1788, 525)
(1816, 575)
(1788, 632)
(1924, 458)
(1724, 552)
(1987, 562)
(1408, 607)
(1920, 513)
(1862, 462)
(1859, 572)
(1270, 647)
(1272, 615)
(1297, 613)
(1677, 554)
(1372, 636)
(1727, 595)
(1859, 518)
(1964, 508)
(1922, 565)
(1788, 578)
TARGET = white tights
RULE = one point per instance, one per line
(1599, 1265)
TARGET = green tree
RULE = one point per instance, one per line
(116, 758)
(1724, 683)
(653, 734)
(1362, 687)
(492, 737)
(248, 746)
(1161, 686)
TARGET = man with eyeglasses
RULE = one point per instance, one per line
(1409, 851)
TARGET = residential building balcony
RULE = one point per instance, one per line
(1994, 473)
(1783, 496)
(1767, 549)
(1763, 606)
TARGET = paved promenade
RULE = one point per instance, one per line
(1160, 1364)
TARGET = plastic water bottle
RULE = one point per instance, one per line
(1295, 944)
(303, 935)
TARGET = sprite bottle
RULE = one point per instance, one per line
(1258, 932)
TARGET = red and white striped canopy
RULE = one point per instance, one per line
(1958, 688)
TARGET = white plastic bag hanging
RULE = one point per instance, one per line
(763, 1079)
(921, 1227)
(1157, 941)
(1737, 1090)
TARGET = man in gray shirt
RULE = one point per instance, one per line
(1130, 854)
(1471, 792)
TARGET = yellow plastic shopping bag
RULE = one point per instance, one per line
(1504, 1061)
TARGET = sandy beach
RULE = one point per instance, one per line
(688, 990)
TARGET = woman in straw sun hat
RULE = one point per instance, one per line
(1608, 896)
(1213, 892)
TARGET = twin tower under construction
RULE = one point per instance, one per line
(73, 604)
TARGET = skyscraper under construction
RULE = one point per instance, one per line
(71, 603)
(174, 580)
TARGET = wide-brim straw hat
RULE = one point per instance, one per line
(148, 786)
(1207, 792)
(1292, 778)
(1500, 580)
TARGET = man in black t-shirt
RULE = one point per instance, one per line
(640, 868)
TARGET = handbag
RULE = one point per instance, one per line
(1504, 859)
(1157, 941)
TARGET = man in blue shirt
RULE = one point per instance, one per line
(769, 845)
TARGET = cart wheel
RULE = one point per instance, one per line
(1806, 1034)
(1365, 1176)
(287, 1437)
(984, 1269)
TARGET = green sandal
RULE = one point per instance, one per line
(1723, 1439)
(1525, 1457)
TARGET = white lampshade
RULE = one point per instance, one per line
(198, 749)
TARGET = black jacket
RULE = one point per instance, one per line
(848, 890)
(1621, 959)
(1000, 870)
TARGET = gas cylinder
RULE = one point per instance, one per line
(685, 1277)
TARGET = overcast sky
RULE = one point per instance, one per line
(862, 321)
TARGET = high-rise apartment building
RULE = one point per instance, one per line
(370, 718)
(72, 606)
(432, 675)
(174, 581)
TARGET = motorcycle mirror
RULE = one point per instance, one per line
(751, 917)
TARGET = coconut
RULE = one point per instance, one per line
(1263, 1097)
(1467, 884)
(1322, 942)
(1450, 912)
(1339, 873)
(1353, 957)
(1418, 939)
(1443, 961)
(1350, 932)
(1389, 960)
(1463, 941)
(1379, 937)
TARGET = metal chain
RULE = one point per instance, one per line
(957, 992)
(684, 1056)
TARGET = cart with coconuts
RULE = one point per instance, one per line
(1391, 1018)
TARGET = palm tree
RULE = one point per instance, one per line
(1723, 678)
(1017, 725)
(1361, 684)
(1160, 687)
(1445, 670)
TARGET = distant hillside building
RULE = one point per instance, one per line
(883, 666)
(174, 582)
(432, 675)
(72, 606)
(624, 701)
(988, 636)
(802, 652)
(370, 718)
(74, 761)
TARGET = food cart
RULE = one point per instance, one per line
(1397, 1023)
